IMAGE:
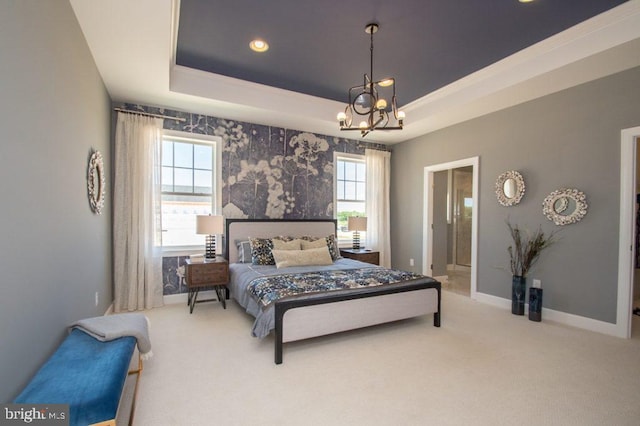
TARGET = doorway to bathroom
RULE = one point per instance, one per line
(450, 224)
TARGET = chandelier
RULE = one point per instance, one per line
(368, 100)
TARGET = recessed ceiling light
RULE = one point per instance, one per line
(525, 1)
(259, 45)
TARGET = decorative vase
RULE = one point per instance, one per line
(518, 290)
(535, 304)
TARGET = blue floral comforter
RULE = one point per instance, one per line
(243, 275)
(269, 289)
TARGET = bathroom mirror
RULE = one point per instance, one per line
(96, 182)
(509, 188)
(565, 206)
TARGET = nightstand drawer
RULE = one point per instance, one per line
(362, 255)
(208, 273)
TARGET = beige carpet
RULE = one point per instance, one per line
(484, 366)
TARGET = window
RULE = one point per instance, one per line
(350, 193)
(190, 170)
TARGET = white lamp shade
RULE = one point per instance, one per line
(356, 223)
(209, 225)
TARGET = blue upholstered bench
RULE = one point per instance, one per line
(88, 375)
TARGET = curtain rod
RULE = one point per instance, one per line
(150, 114)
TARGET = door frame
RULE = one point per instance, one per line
(626, 245)
(427, 220)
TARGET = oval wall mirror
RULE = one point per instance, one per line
(510, 188)
(96, 182)
(565, 206)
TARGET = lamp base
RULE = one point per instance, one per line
(356, 240)
(210, 247)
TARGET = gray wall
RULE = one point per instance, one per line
(567, 139)
(55, 254)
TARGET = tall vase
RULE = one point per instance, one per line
(535, 304)
(518, 290)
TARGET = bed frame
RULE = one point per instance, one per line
(297, 319)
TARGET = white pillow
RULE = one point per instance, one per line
(306, 245)
(288, 258)
(285, 245)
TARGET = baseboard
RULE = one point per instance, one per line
(182, 297)
(555, 316)
(173, 299)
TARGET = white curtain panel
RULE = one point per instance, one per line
(377, 208)
(137, 257)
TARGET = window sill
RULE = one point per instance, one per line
(181, 251)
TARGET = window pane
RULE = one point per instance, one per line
(349, 190)
(167, 179)
(360, 191)
(203, 157)
(355, 208)
(349, 170)
(340, 188)
(202, 182)
(344, 210)
(167, 153)
(340, 170)
(179, 219)
(183, 180)
(360, 173)
(183, 154)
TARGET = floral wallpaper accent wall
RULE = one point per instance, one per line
(267, 172)
(270, 172)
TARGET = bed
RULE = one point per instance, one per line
(340, 308)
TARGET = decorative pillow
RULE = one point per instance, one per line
(244, 251)
(334, 250)
(315, 256)
(320, 242)
(330, 241)
(284, 238)
(279, 244)
(261, 251)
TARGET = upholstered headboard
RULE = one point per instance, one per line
(242, 229)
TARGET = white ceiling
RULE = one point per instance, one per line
(133, 45)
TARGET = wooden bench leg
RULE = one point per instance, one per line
(135, 389)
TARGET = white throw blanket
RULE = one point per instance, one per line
(112, 327)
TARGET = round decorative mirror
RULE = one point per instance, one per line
(509, 188)
(565, 206)
(96, 182)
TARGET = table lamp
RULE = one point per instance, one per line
(210, 226)
(356, 224)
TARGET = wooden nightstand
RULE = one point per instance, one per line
(368, 256)
(212, 273)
